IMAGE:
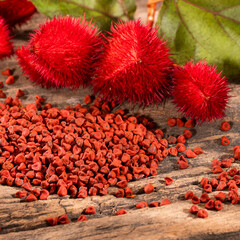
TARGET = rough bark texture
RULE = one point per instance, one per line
(21, 220)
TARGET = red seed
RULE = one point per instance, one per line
(225, 141)
(180, 123)
(204, 197)
(171, 122)
(52, 221)
(82, 218)
(62, 191)
(187, 133)
(183, 165)
(194, 209)
(225, 126)
(190, 153)
(217, 169)
(208, 188)
(180, 147)
(218, 205)
(210, 204)
(44, 194)
(197, 150)
(90, 210)
(19, 93)
(128, 192)
(222, 185)
(63, 219)
(142, 205)
(148, 188)
(202, 213)
(165, 202)
(10, 80)
(121, 212)
(6, 72)
(188, 195)
(120, 193)
(21, 194)
(30, 198)
(168, 180)
(220, 196)
(214, 182)
(195, 199)
(190, 124)
(88, 99)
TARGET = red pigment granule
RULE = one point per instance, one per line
(64, 52)
(165, 202)
(82, 218)
(90, 210)
(121, 212)
(135, 65)
(225, 126)
(200, 92)
(148, 188)
(6, 47)
(202, 213)
(16, 12)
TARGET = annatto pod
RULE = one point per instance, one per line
(16, 12)
(200, 92)
(134, 66)
(62, 53)
(6, 47)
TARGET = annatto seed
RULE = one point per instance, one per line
(188, 195)
(142, 205)
(225, 126)
(121, 212)
(195, 199)
(63, 219)
(204, 197)
(148, 188)
(194, 209)
(82, 218)
(165, 202)
(220, 196)
(218, 205)
(52, 221)
(225, 141)
(168, 180)
(90, 210)
(202, 213)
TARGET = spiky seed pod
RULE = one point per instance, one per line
(62, 53)
(135, 65)
(6, 47)
(16, 12)
(200, 92)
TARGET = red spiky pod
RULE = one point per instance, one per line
(6, 47)
(62, 53)
(200, 92)
(135, 65)
(16, 12)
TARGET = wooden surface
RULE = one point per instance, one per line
(21, 220)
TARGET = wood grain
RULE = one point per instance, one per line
(21, 220)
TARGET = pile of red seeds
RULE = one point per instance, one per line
(226, 181)
(78, 151)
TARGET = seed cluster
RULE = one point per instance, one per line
(77, 151)
(226, 180)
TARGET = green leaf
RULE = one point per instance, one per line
(200, 29)
(102, 12)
